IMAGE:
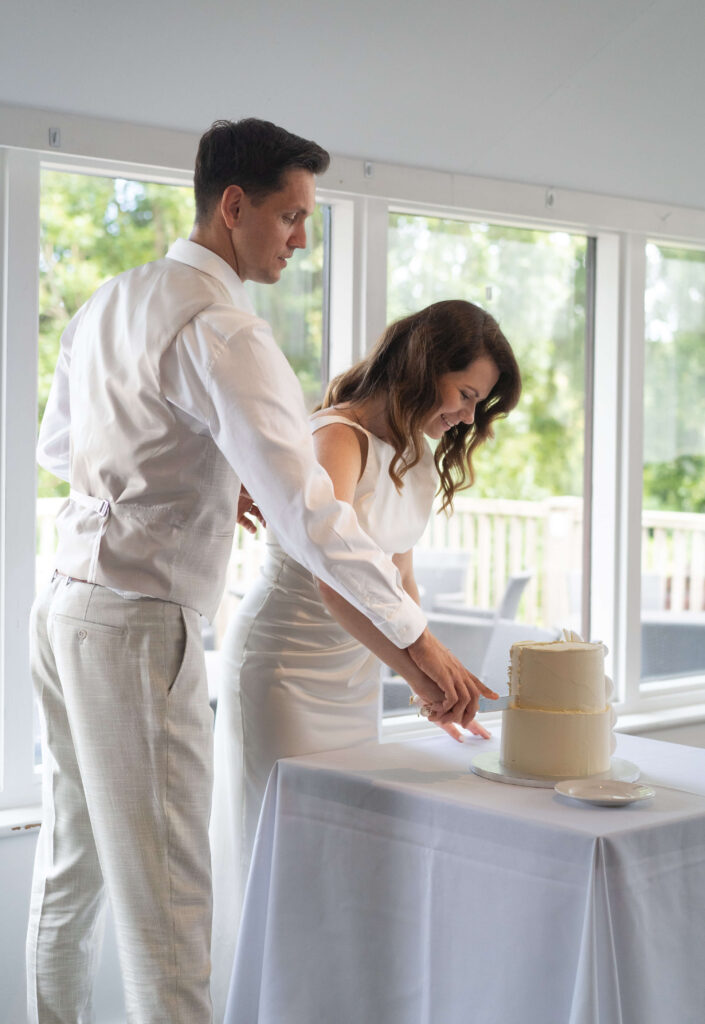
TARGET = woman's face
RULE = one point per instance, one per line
(460, 392)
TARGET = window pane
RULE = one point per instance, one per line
(673, 518)
(295, 308)
(523, 516)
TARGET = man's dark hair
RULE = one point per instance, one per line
(253, 154)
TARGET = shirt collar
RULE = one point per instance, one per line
(208, 262)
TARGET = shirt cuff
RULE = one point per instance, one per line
(406, 625)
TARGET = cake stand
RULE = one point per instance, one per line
(489, 767)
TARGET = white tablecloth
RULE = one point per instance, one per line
(390, 885)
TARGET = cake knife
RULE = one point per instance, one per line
(484, 704)
(488, 704)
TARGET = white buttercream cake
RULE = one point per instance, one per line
(559, 720)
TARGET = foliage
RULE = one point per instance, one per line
(533, 283)
(294, 309)
(674, 380)
(676, 485)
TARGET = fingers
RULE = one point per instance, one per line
(425, 699)
(247, 509)
(247, 524)
(475, 728)
(451, 694)
(466, 706)
(479, 730)
(485, 690)
(460, 687)
(453, 731)
(434, 715)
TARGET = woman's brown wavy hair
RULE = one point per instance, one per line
(406, 365)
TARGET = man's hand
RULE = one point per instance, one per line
(460, 687)
(245, 508)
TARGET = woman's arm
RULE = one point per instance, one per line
(362, 629)
(357, 625)
(340, 452)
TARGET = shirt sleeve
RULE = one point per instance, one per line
(240, 388)
(54, 442)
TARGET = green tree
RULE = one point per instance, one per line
(674, 380)
(533, 282)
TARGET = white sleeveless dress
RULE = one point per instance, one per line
(295, 682)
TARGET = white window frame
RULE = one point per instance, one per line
(362, 196)
(19, 220)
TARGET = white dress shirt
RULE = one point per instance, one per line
(224, 377)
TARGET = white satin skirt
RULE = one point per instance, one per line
(292, 682)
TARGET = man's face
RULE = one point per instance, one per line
(265, 235)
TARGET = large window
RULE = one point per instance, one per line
(523, 529)
(92, 228)
(523, 516)
(673, 517)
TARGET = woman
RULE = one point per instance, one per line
(294, 678)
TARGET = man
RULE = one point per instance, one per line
(169, 393)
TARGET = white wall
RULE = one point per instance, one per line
(600, 97)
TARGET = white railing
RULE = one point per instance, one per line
(673, 548)
(505, 537)
(545, 537)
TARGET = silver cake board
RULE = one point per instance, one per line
(489, 767)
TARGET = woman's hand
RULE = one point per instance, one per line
(450, 727)
(245, 508)
(427, 696)
(475, 728)
(460, 687)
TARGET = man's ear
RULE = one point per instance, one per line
(231, 205)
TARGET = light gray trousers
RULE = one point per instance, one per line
(127, 749)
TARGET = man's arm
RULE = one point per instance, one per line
(241, 387)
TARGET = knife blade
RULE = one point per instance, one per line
(488, 704)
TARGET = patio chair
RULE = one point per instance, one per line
(454, 604)
(438, 571)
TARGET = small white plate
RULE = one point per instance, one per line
(604, 792)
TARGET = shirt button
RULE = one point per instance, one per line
(82, 634)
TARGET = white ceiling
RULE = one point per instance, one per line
(597, 95)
